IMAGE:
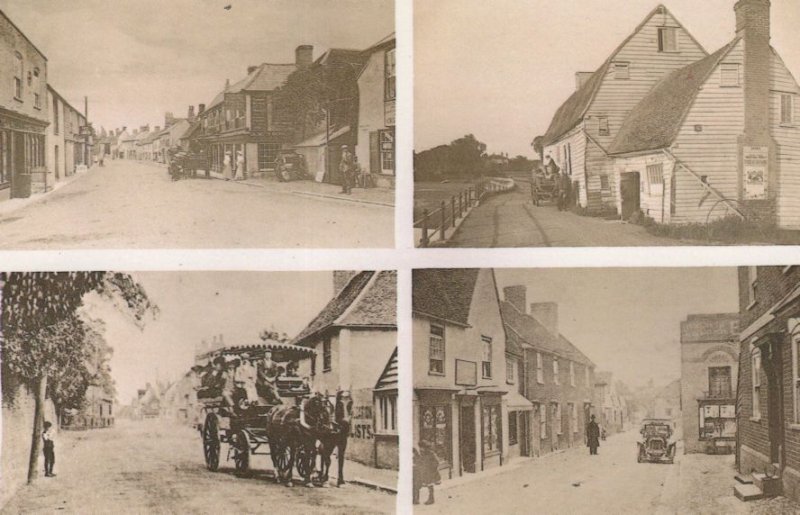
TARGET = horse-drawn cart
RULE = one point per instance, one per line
(252, 427)
(544, 187)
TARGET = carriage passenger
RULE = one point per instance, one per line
(245, 377)
(213, 380)
(266, 379)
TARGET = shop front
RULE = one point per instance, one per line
(22, 154)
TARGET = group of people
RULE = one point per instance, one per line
(229, 171)
(562, 187)
(245, 380)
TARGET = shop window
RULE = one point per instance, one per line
(435, 430)
(267, 155)
(390, 72)
(486, 363)
(327, 358)
(387, 412)
(755, 362)
(667, 39)
(436, 350)
(512, 428)
(491, 430)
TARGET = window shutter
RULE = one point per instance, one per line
(374, 152)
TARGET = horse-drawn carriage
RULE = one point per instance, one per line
(293, 428)
(544, 187)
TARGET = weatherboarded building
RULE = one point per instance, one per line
(459, 360)
(355, 336)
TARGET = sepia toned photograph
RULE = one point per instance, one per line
(199, 392)
(614, 390)
(197, 124)
(630, 123)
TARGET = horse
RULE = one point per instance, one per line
(287, 436)
(337, 438)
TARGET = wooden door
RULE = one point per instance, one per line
(467, 437)
(629, 193)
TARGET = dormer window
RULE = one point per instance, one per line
(667, 39)
(729, 75)
(622, 71)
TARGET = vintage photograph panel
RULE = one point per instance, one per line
(199, 392)
(256, 124)
(632, 124)
(617, 390)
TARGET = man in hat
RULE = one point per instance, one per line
(346, 166)
(49, 449)
(593, 436)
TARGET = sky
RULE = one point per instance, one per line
(499, 69)
(627, 321)
(197, 305)
(137, 59)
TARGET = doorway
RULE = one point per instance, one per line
(524, 433)
(467, 435)
(775, 403)
(629, 185)
(55, 164)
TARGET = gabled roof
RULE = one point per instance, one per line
(369, 299)
(445, 294)
(656, 121)
(266, 77)
(571, 112)
(388, 379)
(339, 56)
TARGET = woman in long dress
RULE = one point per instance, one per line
(240, 165)
(226, 167)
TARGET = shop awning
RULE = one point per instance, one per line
(517, 402)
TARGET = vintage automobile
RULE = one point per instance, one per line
(656, 445)
(290, 166)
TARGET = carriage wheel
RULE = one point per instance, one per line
(211, 442)
(282, 458)
(242, 456)
(305, 460)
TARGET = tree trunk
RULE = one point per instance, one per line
(40, 390)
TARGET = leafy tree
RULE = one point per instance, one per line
(43, 334)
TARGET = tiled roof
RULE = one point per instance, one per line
(571, 112)
(444, 293)
(349, 308)
(267, 77)
(655, 122)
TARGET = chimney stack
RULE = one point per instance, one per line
(516, 296)
(582, 78)
(304, 56)
(190, 114)
(201, 108)
(753, 24)
(169, 119)
(547, 315)
(341, 278)
(227, 84)
(251, 69)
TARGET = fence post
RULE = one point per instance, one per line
(424, 241)
(453, 209)
(460, 212)
(443, 227)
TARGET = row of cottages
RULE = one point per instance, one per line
(97, 411)
(688, 136)
(555, 377)
(355, 339)
(610, 408)
(768, 394)
(42, 137)
(709, 368)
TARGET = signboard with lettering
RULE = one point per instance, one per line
(466, 373)
(361, 422)
(388, 113)
(756, 166)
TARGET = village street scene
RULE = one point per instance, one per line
(638, 124)
(199, 392)
(238, 133)
(668, 391)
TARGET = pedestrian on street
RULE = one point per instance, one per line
(593, 436)
(346, 165)
(240, 164)
(425, 472)
(49, 449)
(227, 172)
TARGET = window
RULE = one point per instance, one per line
(569, 158)
(512, 428)
(719, 382)
(752, 278)
(387, 412)
(729, 75)
(491, 430)
(511, 365)
(539, 368)
(435, 429)
(571, 373)
(602, 129)
(622, 71)
(557, 420)
(542, 423)
(313, 365)
(18, 69)
(555, 371)
(796, 372)
(267, 154)
(387, 151)
(390, 72)
(55, 115)
(787, 109)
(37, 99)
(486, 363)
(667, 39)
(327, 360)
(436, 350)
(655, 174)
(604, 183)
(756, 378)
(573, 413)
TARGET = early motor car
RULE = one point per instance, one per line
(656, 444)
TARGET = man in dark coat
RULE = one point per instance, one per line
(593, 436)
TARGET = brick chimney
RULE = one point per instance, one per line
(582, 78)
(341, 278)
(251, 69)
(304, 56)
(169, 119)
(753, 24)
(190, 114)
(201, 108)
(547, 315)
(516, 296)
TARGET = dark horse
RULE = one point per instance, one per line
(337, 438)
(291, 443)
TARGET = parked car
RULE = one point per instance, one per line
(290, 166)
(656, 445)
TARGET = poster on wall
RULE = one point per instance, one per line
(756, 162)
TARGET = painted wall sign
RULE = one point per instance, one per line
(361, 422)
(466, 373)
(756, 166)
